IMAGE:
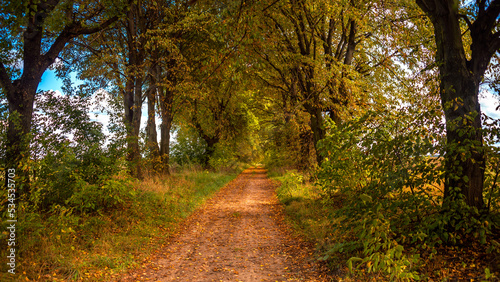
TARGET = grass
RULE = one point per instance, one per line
(66, 245)
(304, 208)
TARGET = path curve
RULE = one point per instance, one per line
(238, 235)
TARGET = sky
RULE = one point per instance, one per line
(489, 102)
(50, 82)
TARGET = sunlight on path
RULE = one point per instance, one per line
(236, 236)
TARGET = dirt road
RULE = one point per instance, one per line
(238, 235)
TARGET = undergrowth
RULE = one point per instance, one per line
(363, 242)
(102, 229)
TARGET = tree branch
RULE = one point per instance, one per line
(270, 5)
(282, 30)
(278, 70)
(487, 20)
(69, 32)
(424, 5)
(272, 85)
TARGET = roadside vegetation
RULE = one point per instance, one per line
(103, 230)
(377, 247)
(374, 207)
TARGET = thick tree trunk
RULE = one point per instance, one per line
(464, 161)
(133, 91)
(17, 154)
(132, 122)
(210, 149)
(459, 88)
(305, 77)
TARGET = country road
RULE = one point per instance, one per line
(238, 235)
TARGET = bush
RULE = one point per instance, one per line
(114, 193)
(291, 186)
(61, 174)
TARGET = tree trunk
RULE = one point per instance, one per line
(166, 101)
(459, 97)
(152, 135)
(133, 92)
(210, 150)
(17, 154)
(318, 130)
(459, 88)
(132, 120)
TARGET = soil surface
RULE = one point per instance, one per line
(238, 235)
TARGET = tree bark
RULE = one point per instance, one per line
(459, 89)
(132, 117)
(133, 90)
(459, 97)
(152, 135)
(166, 101)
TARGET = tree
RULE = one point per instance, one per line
(461, 73)
(169, 44)
(42, 41)
(129, 58)
(318, 52)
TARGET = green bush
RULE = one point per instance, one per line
(380, 165)
(114, 193)
(61, 174)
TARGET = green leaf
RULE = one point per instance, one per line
(365, 198)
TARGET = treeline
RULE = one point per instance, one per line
(180, 57)
(173, 65)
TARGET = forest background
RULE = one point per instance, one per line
(368, 111)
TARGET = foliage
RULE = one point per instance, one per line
(70, 158)
(341, 90)
(290, 186)
(189, 147)
(387, 169)
(114, 193)
(286, 144)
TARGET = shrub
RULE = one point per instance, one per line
(113, 193)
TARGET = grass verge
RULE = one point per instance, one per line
(70, 244)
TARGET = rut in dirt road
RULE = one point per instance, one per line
(236, 236)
